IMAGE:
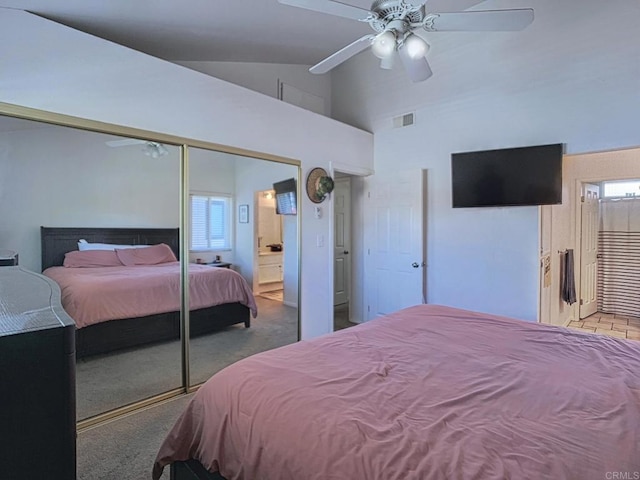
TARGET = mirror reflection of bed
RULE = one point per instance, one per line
(65, 177)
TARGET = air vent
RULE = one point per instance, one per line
(403, 120)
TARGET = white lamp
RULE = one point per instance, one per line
(384, 44)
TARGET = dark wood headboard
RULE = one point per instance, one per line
(56, 241)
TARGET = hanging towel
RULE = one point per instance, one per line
(568, 280)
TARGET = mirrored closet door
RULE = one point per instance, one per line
(94, 193)
(77, 205)
(228, 214)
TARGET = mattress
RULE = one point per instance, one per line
(429, 392)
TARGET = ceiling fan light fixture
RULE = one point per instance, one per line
(384, 44)
(387, 62)
(154, 150)
(416, 46)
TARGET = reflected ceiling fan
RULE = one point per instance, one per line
(151, 149)
(399, 25)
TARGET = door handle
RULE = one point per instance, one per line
(415, 265)
(346, 252)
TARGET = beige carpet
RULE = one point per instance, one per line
(124, 449)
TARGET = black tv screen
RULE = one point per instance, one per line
(286, 197)
(507, 177)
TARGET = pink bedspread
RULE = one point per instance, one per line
(93, 295)
(429, 392)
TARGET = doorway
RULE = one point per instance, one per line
(348, 203)
(609, 249)
(589, 217)
(342, 252)
(562, 230)
(618, 286)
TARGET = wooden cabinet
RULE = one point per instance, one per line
(270, 267)
(37, 379)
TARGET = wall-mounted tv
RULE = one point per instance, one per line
(286, 197)
(507, 177)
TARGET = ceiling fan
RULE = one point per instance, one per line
(151, 149)
(399, 25)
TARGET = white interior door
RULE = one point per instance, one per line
(396, 244)
(342, 240)
(589, 250)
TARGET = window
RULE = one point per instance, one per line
(626, 188)
(210, 222)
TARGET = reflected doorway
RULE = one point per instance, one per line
(269, 283)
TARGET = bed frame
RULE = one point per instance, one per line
(192, 470)
(132, 332)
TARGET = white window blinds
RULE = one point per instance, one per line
(210, 222)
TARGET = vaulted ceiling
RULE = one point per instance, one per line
(215, 30)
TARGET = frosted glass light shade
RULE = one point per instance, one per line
(416, 47)
(384, 44)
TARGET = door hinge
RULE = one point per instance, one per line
(368, 308)
(581, 302)
(368, 194)
(582, 198)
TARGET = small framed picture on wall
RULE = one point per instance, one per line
(243, 213)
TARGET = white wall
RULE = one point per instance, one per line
(62, 177)
(266, 78)
(58, 69)
(570, 77)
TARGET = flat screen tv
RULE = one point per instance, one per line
(507, 177)
(286, 197)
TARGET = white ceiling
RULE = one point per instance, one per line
(214, 30)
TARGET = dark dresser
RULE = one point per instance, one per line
(37, 379)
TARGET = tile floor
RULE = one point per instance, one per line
(620, 326)
(276, 295)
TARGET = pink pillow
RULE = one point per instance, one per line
(91, 258)
(152, 255)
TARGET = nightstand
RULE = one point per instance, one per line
(219, 264)
(8, 258)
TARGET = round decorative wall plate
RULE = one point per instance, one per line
(315, 191)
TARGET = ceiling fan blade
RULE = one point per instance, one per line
(449, 5)
(342, 55)
(480, 21)
(124, 142)
(418, 69)
(330, 7)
